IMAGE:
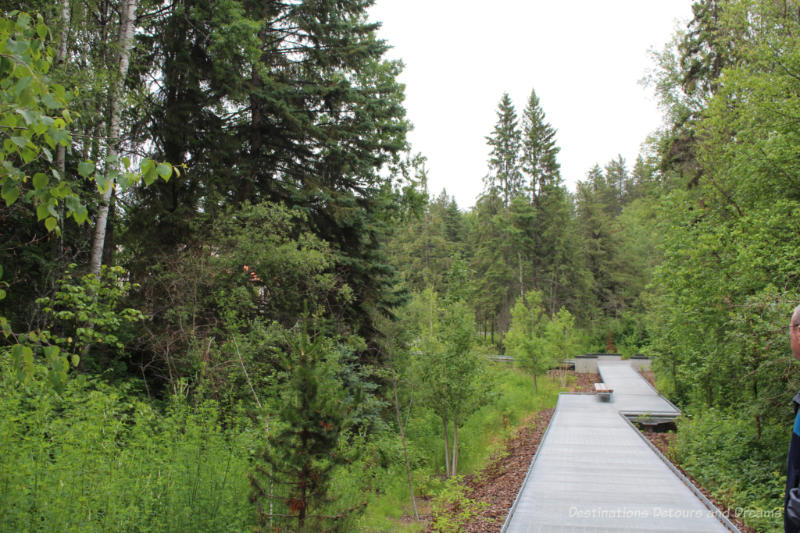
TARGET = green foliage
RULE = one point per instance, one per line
(427, 248)
(98, 458)
(560, 335)
(84, 311)
(310, 415)
(721, 298)
(33, 120)
(504, 179)
(34, 117)
(722, 450)
(525, 339)
(452, 509)
(450, 373)
(483, 434)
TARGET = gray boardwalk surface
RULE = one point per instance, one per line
(594, 472)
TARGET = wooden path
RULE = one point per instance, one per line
(595, 472)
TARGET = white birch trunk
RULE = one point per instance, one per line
(446, 447)
(126, 28)
(454, 468)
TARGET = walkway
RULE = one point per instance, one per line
(595, 472)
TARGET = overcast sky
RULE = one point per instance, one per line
(584, 58)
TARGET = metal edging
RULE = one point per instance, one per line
(711, 507)
(530, 468)
(651, 387)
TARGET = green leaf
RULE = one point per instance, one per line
(60, 93)
(28, 154)
(2, 294)
(80, 214)
(29, 116)
(102, 183)
(51, 351)
(85, 168)
(75, 359)
(40, 180)
(22, 142)
(164, 170)
(42, 212)
(10, 194)
(49, 100)
(22, 354)
(23, 84)
(50, 223)
(150, 176)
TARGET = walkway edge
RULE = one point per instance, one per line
(652, 387)
(686, 481)
(536, 456)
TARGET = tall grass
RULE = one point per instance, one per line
(101, 458)
(482, 435)
(96, 459)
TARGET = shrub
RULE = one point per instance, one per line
(98, 459)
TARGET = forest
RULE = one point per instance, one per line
(229, 300)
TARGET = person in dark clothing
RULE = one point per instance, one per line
(791, 502)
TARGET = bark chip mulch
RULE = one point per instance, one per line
(497, 485)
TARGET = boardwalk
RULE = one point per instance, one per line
(594, 472)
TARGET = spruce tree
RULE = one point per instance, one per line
(504, 176)
(539, 151)
(552, 257)
(286, 102)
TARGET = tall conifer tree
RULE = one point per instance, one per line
(504, 175)
(539, 150)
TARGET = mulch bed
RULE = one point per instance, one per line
(497, 485)
(585, 382)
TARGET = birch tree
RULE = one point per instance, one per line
(125, 41)
(452, 374)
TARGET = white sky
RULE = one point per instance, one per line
(584, 58)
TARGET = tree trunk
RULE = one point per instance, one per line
(405, 449)
(454, 455)
(446, 447)
(535, 385)
(65, 22)
(126, 28)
